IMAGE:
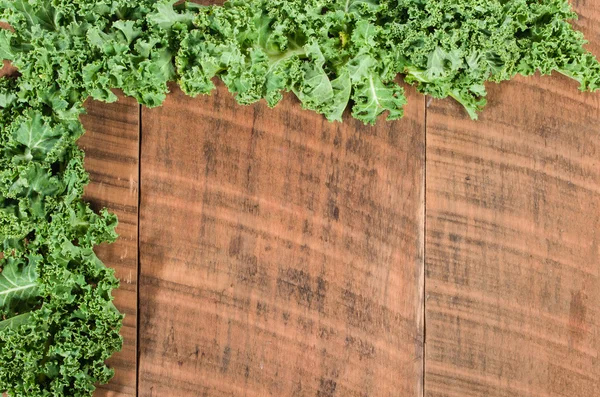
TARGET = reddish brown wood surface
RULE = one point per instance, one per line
(280, 255)
(513, 237)
(111, 156)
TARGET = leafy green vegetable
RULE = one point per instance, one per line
(57, 321)
(18, 282)
(447, 48)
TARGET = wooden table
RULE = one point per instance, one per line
(270, 253)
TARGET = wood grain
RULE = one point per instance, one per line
(111, 148)
(513, 241)
(280, 255)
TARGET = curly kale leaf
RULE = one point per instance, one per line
(18, 282)
(61, 347)
(62, 326)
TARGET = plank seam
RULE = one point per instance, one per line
(426, 102)
(139, 201)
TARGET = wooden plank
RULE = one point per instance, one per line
(513, 241)
(111, 148)
(280, 255)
